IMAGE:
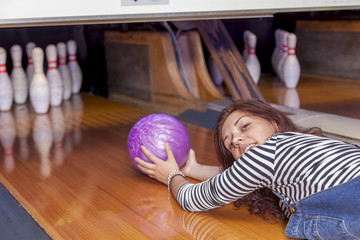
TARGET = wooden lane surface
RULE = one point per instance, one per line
(70, 170)
(317, 93)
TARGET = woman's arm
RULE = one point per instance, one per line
(198, 171)
(160, 169)
(208, 194)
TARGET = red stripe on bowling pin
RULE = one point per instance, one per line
(245, 47)
(62, 61)
(3, 68)
(291, 51)
(72, 57)
(285, 48)
(30, 61)
(52, 65)
(252, 51)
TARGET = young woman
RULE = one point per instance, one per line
(266, 157)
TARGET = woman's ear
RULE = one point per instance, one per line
(277, 129)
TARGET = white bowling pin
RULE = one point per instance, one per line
(30, 67)
(43, 139)
(277, 49)
(64, 71)
(252, 61)
(53, 76)
(245, 52)
(7, 135)
(6, 88)
(279, 52)
(74, 67)
(58, 128)
(23, 127)
(39, 87)
(215, 72)
(283, 54)
(291, 67)
(18, 76)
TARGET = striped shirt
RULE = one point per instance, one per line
(293, 164)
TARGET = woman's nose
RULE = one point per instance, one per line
(237, 139)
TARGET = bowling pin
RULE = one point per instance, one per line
(277, 49)
(283, 54)
(6, 88)
(278, 53)
(43, 139)
(53, 76)
(39, 87)
(252, 61)
(64, 71)
(245, 52)
(74, 67)
(7, 135)
(291, 67)
(18, 76)
(30, 67)
(215, 72)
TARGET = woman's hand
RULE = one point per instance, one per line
(198, 171)
(190, 165)
(159, 169)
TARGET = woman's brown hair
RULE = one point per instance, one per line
(261, 201)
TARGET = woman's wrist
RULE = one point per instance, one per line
(172, 175)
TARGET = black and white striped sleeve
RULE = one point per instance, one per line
(253, 170)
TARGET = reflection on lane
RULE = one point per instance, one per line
(68, 113)
(7, 134)
(53, 134)
(23, 127)
(43, 139)
(288, 97)
(58, 128)
(78, 110)
(158, 215)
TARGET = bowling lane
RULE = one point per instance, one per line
(316, 93)
(71, 172)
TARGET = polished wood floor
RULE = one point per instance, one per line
(317, 93)
(70, 169)
(71, 172)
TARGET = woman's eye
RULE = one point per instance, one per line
(245, 126)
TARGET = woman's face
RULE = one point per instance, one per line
(241, 132)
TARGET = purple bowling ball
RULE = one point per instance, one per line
(153, 131)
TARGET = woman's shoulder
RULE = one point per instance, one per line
(282, 135)
(294, 135)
